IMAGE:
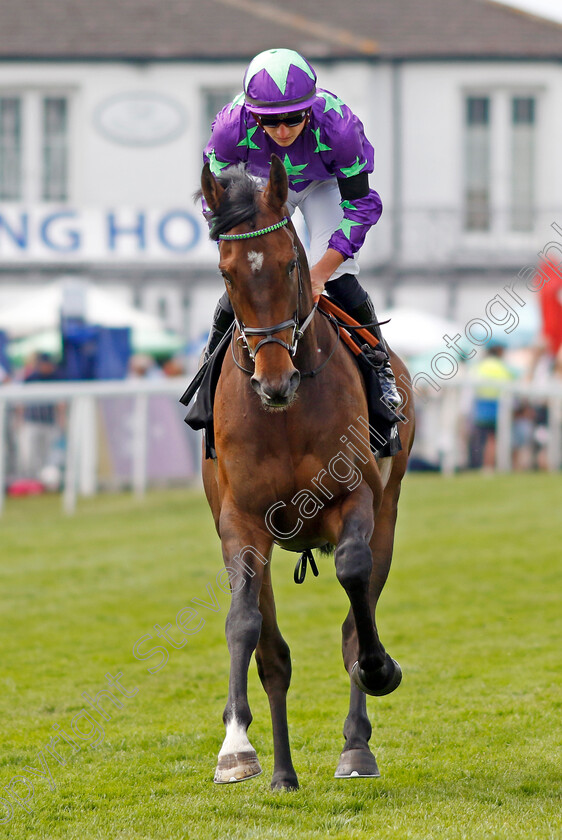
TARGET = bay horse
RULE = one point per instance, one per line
(277, 428)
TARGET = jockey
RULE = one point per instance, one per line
(328, 160)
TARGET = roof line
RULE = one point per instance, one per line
(184, 58)
(546, 21)
(302, 24)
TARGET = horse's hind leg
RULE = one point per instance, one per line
(356, 758)
(274, 667)
(245, 556)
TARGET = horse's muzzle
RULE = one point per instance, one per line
(278, 394)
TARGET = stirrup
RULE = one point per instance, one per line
(376, 355)
(388, 384)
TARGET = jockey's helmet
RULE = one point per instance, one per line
(278, 82)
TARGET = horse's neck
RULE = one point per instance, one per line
(308, 346)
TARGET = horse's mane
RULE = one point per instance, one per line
(239, 202)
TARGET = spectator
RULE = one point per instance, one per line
(485, 409)
(39, 424)
(173, 367)
(142, 366)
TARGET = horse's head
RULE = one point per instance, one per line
(262, 273)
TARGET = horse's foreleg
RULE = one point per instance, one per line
(356, 758)
(246, 554)
(274, 667)
(374, 672)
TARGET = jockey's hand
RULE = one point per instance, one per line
(321, 272)
(317, 281)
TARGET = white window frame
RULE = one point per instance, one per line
(500, 126)
(32, 141)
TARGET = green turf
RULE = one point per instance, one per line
(468, 746)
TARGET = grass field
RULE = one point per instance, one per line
(468, 747)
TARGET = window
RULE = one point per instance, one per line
(499, 182)
(55, 179)
(34, 136)
(162, 308)
(477, 164)
(10, 149)
(522, 162)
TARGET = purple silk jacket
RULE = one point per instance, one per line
(333, 145)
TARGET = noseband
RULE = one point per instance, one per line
(294, 322)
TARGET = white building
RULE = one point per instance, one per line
(105, 108)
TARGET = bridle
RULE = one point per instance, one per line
(299, 326)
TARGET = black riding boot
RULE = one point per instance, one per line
(365, 314)
(222, 319)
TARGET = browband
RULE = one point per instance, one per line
(228, 237)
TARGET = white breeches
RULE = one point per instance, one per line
(320, 205)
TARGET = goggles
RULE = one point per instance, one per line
(290, 120)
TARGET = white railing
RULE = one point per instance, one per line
(80, 459)
(450, 410)
(444, 433)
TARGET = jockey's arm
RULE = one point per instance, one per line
(321, 272)
(350, 188)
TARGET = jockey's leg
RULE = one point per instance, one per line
(222, 319)
(348, 293)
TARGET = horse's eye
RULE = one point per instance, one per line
(291, 267)
(227, 278)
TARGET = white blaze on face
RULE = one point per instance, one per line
(255, 258)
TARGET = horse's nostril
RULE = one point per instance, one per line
(294, 381)
(276, 391)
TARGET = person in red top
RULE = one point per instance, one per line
(551, 308)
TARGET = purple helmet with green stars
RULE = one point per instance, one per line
(278, 82)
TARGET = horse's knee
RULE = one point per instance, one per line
(354, 562)
(243, 626)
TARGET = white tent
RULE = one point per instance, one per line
(412, 332)
(40, 311)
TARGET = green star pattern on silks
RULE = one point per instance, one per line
(347, 205)
(320, 147)
(247, 141)
(216, 165)
(237, 101)
(333, 103)
(354, 169)
(293, 170)
(277, 66)
(346, 226)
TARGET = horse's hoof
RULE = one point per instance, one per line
(237, 767)
(357, 764)
(286, 783)
(380, 682)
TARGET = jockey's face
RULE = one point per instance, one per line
(281, 133)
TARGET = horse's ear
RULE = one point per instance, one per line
(277, 188)
(211, 189)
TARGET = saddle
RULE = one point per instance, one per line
(383, 421)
